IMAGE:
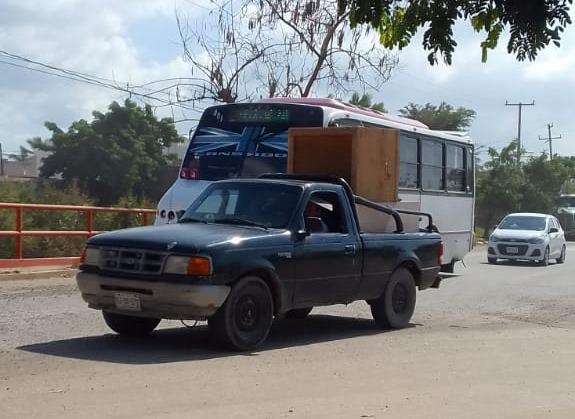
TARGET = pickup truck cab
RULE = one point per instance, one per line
(249, 250)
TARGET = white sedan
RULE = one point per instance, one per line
(527, 236)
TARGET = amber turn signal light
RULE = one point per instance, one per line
(199, 266)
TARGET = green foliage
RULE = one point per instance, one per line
(118, 153)
(443, 117)
(46, 193)
(504, 187)
(366, 101)
(532, 25)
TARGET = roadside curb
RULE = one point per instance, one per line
(53, 273)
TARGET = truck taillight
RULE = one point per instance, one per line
(440, 253)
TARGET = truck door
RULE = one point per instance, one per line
(328, 260)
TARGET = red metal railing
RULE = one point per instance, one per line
(19, 233)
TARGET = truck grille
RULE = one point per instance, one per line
(131, 260)
(521, 250)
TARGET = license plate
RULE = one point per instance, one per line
(129, 302)
(512, 250)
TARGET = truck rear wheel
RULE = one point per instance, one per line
(245, 319)
(394, 308)
(130, 325)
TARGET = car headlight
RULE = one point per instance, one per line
(537, 240)
(188, 265)
(90, 256)
(493, 239)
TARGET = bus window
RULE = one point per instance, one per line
(455, 165)
(408, 162)
(469, 166)
(432, 165)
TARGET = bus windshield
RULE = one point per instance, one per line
(244, 140)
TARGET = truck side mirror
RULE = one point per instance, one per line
(301, 234)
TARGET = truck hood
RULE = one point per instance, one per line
(185, 238)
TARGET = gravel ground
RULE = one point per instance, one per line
(499, 341)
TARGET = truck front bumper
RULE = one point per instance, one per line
(162, 300)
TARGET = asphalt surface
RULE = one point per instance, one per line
(498, 341)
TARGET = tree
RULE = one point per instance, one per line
(504, 187)
(365, 101)
(278, 48)
(532, 25)
(443, 117)
(118, 153)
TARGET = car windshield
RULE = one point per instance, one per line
(241, 203)
(523, 223)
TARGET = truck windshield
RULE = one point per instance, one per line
(242, 203)
(523, 223)
(244, 140)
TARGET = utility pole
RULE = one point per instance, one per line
(549, 140)
(520, 105)
(1, 161)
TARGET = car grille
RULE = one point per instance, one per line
(131, 260)
(513, 240)
(521, 250)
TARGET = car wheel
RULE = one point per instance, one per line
(394, 308)
(561, 258)
(545, 260)
(245, 319)
(492, 261)
(130, 325)
(298, 313)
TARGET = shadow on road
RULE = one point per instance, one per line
(191, 344)
(520, 263)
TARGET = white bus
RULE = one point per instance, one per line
(247, 140)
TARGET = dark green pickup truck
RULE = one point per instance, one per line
(249, 250)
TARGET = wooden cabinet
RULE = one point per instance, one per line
(367, 158)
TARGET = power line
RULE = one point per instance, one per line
(549, 140)
(91, 80)
(520, 105)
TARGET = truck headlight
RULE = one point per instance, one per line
(537, 240)
(90, 256)
(188, 265)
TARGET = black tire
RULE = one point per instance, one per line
(561, 259)
(130, 325)
(298, 313)
(545, 260)
(245, 319)
(394, 308)
(492, 261)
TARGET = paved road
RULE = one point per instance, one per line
(497, 342)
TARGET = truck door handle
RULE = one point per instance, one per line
(349, 249)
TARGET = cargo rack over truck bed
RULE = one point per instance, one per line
(395, 213)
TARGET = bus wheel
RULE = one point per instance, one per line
(448, 267)
(561, 258)
(298, 313)
(394, 308)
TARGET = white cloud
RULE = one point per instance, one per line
(88, 36)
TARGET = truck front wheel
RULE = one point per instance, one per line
(394, 308)
(245, 319)
(130, 325)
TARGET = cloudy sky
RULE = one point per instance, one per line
(136, 41)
